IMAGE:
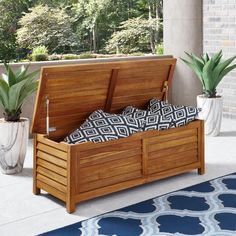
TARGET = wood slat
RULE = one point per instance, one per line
(52, 175)
(137, 80)
(111, 146)
(172, 172)
(170, 151)
(173, 161)
(51, 183)
(56, 83)
(109, 181)
(52, 159)
(53, 191)
(156, 133)
(136, 103)
(109, 166)
(52, 151)
(173, 136)
(108, 189)
(86, 77)
(116, 171)
(135, 97)
(50, 166)
(44, 140)
(142, 72)
(75, 93)
(100, 158)
(173, 143)
(122, 91)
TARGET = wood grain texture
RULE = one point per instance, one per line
(75, 173)
(76, 91)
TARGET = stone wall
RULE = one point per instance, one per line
(219, 32)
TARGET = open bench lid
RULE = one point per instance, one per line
(69, 94)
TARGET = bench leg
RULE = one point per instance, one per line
(201, 171)
(70, 207)
(36, 190)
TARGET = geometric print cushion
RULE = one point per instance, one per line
(181, 115)
(101, 127)
(150, 120)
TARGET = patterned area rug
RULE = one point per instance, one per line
(208, 208)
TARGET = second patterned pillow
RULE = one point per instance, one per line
(151, 121)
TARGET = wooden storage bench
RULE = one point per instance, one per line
(68, 94)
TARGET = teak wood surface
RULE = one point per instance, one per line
(75, 173)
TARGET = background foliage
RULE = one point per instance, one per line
(78, 26)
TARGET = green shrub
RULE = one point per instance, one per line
(24, 60)
(70, 56)
(136, 54)
(40, 50)
(55, 57)
(105, 55)
(87, 56)
(40, 57)
(40, 53)
(160, 49)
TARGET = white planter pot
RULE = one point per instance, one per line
(13, 145)
(212, 113)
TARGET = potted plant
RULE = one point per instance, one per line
(210, 71)
(15, 88)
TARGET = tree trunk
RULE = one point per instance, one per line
(159, 16)
(94, 38)
(152, 33)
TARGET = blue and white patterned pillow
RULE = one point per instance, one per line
(181, 115)
(101, 127)
(151, 121)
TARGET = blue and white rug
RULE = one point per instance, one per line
(208, 208)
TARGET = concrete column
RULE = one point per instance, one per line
(183, 31)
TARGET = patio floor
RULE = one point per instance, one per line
(23, 214)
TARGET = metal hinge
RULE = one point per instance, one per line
(165, 90)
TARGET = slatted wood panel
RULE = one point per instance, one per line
(169, 151)
(137, 85)
(51, 168)
(100, 167)
(92, 170)
(76, 91)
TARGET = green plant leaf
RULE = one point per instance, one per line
(11, 76)
(1, 104)
(5, 77)
(27, 91)
(4, 88)
(197, 60)
(207, 75)
(14, 94)
(225, 63)
(220, 68)
(217, 58)
(15, 88)
(194, 68)
(21, 73)
(210, 70)
(224, 73)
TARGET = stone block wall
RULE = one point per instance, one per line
(219, 32)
